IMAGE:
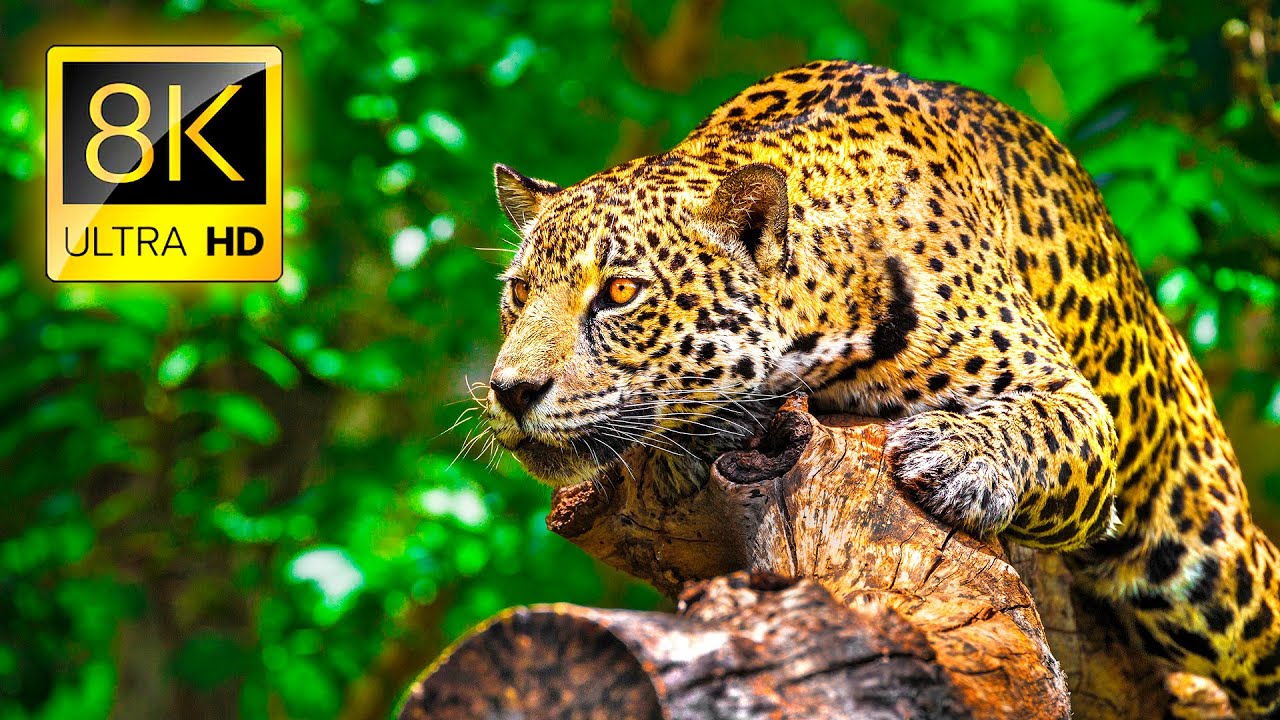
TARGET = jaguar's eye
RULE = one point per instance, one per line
(519, 292)
(620, 291)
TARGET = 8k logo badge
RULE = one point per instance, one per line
(164, 163)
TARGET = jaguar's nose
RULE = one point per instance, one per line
(518, 395)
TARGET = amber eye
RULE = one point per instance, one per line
(519, 292)
(621, 291)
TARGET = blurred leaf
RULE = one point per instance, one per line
(178, 365)
(275, 365)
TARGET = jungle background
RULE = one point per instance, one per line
(242, 501)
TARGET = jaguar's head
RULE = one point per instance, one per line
(637, 312)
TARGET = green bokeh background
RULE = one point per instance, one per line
(242, 501)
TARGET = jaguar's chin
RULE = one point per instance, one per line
(553, 465)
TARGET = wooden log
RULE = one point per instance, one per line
(809, 499)
(742, 646)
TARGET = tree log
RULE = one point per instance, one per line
(742, 646)
(954, 631)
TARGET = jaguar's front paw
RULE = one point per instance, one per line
(949, 470)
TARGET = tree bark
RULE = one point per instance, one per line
(891, 614)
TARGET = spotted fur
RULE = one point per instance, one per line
(913, 250)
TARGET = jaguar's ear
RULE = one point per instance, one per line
(749, 212)
(520, 196)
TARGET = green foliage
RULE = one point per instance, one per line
(246, 499)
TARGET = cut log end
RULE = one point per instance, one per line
(550, 663)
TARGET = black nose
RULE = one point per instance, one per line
(517, 396)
